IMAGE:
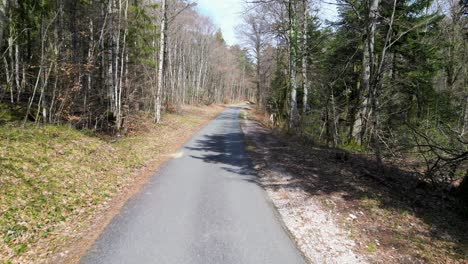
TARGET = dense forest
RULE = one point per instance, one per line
(92, 63)
(385, 81)
(388, 78)
(82, 84)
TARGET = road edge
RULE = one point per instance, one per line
(76, 248)
(268, 199)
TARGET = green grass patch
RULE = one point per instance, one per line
(250, 148)
(353, 147)
(369, 203)
(371, 247)
(53, 178)
(9, 113)
(243, 115)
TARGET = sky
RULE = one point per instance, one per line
(226, 14)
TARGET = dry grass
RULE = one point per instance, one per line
(54, 180)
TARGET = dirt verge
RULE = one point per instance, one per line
(61, 187)
(74, 250)
(315, 230)
(342, 208)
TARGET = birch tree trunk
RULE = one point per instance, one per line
(162, 48)
(8, 79)
(17, 71)
(110, 61)
(117, 112)
(305, 80)
(292, 61)
(258, 54)
(200, 73)
(119, 120)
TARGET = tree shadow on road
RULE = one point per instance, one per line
(228, 150)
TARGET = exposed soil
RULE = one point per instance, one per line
(343, 208)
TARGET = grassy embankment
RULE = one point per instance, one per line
(55, 179)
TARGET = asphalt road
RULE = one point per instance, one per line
(201, 207)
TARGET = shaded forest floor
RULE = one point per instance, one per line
(59, 184)
(342, 208)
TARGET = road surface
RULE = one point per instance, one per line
(203, 207)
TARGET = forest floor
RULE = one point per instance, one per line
(342, 208)
(59, 186)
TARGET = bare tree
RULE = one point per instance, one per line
(255, 35)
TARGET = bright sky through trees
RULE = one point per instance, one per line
(226, 14)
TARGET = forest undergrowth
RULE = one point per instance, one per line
(391, 213)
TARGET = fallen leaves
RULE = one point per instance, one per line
(55, 179)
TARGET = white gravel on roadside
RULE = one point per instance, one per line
(316, 232)
(317, 235)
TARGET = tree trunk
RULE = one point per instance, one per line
(199, 78)
(367, 89)
(162, 53)
(292, 61)
(258, 54)
(2, 18)
(375, 80)
(119, 120)
(305, 80)
(462, 191)
(361, 114)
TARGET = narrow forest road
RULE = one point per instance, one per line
(203, 206)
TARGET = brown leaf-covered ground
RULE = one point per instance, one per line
(389, 214)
